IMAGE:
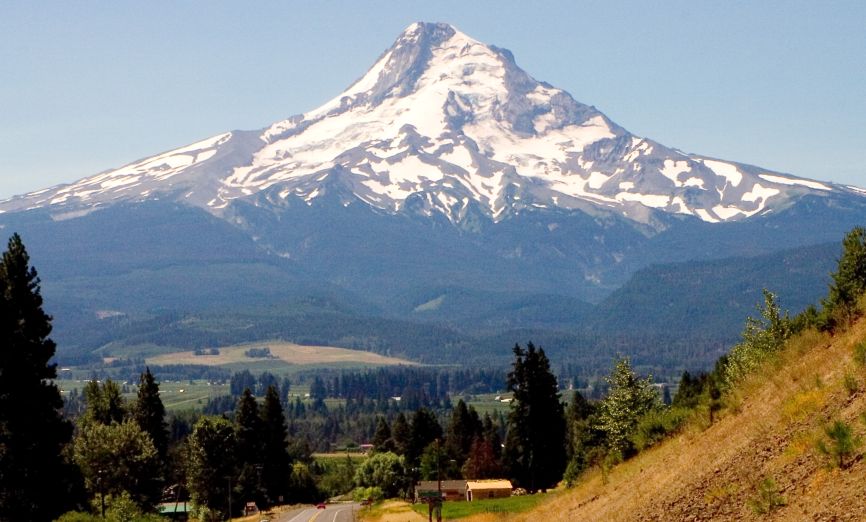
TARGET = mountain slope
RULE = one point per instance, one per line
(713, 474)
(442, 123)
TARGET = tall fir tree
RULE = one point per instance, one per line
(33, 474)
(104, 401)
(424, 430)
(535, 442)
(248, 425)
(276, 465)
(401, 432)
(149, 412)
(463, 427)
(382, 441)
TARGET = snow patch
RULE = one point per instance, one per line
(789, 181)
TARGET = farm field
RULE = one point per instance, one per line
(281, 354)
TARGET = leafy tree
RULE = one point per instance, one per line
(849, 281)
(627, 401)
(35, 481)
(149, 413)
(435, 462)
(386, 471)
(483, 462)
(212, 465)
(534, 444)
(104, 401)
(302, 484)
(119, 458)
(275, 458)
(761, 337)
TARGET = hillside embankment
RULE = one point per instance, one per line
(759, 460)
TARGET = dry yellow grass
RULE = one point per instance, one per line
(391, 511)
(712, 474)
(287, 352)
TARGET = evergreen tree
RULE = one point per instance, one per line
(534, 444)
(463, 427)
(149, 413)
(276, 465)
(424, 430)
(382, 441)
(849, 280)
(248, 425)
(401, 433)
(34, 479)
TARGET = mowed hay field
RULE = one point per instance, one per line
(288, 353)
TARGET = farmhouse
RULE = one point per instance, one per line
(451, 489)
(481, 489)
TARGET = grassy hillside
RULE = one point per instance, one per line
(762, 455)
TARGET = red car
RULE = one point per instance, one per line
(320, 505)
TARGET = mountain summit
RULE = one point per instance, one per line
(441, 123)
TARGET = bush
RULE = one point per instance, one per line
(841, 445)
(767, 498)
(860, 353)
(374, 493)
(657, 425)
(852, 385)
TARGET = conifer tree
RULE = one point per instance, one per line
(276, 465)
(382, 441)
(849, 280)
(33, 474)
(534, 444)
(249, 446)
(400, 433)
(463, 427)
(150, 413)
(424, 430)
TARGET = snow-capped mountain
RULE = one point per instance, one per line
(439, 124)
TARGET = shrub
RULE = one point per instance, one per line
(767, 498)
(851, 384)
(374, 493)
(860, 353)
(657, 425)
(841, 445)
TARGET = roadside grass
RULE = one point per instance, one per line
(453, 510)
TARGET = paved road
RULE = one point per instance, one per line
(333, 513)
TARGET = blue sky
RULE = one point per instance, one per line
(86, 86)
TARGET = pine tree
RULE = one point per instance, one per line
(849, 281)
(33, 475)
(149, 413)
(249, 447)
(535, 442)
(463, 427)
(424, 430)
(276, 465)
(382, 441)
(401, 433)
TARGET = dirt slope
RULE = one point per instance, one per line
(714, 473)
